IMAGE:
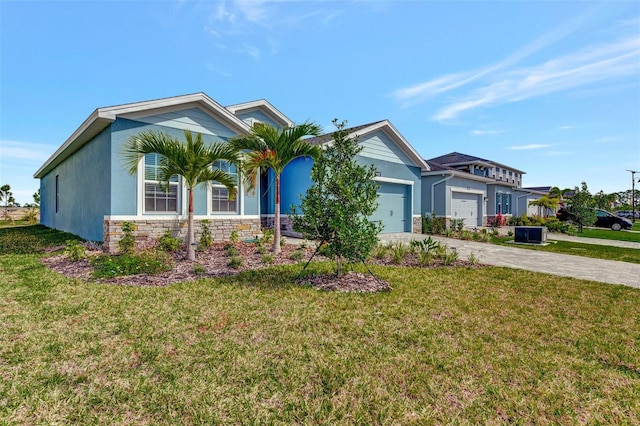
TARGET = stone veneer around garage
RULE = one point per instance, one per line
(148, 231)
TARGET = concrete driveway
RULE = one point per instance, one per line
(606, 271)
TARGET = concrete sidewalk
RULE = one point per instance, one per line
(596, 241)
(606, 271)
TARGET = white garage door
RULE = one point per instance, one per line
(466, 206)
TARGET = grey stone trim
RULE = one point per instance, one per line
(147, 232)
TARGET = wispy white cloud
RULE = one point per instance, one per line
(420, 92)
(504, 82)
(479, 132)
(25, 151)
(245, 21)
(588, 66)
(567, 127)
(529, 146)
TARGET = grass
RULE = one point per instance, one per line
(608, 234)
(579, 249)
(31, 239)
(455, 345)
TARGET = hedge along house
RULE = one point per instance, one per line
(398, 170)
(86, 190)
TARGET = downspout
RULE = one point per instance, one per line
(517, 198)
(433, 187)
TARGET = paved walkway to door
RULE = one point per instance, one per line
(586, 268)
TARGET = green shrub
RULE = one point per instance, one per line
(555, 225)
(31, 216)
(232, 251)
(432, 224)
(235, 262)
(234, 237)
(169, 243)
(283, 241)
(267, 236)
(127, 243)
(206, 240)
(75, 251)
(150, 262)
(449, 256)
(297, 255)
(400, 251)
(457, 224)
(268, 258)
(261, 250)
(198, 269)
(381, 250)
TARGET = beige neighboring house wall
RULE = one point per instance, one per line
(16, 213)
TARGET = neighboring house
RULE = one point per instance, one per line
(461, 186)
(86, 190)
(529, 194)
(398, 170)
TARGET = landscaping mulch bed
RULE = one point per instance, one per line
(214, 262)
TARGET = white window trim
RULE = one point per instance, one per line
(181, 202)
(239, 197)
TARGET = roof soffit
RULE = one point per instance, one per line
(264, 106)
(101, 118)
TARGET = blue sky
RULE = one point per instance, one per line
(550, 88)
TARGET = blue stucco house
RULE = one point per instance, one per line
(462, 186)
(398, 172)
(86, 190)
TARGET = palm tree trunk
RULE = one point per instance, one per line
(276, 225)
(191, 248)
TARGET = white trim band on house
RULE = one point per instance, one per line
(393, 180)
(173, 217)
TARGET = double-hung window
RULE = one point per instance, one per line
(158, 198)
(220, 202)
(503, 203)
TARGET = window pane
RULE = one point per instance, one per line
(156, 200)
(220, 201)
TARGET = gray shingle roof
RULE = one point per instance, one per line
(456, 157)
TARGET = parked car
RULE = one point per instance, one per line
(628, 214)
(604, 219)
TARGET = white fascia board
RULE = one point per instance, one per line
(398, 139)
(102, 117)
(264, 106)
(94, 124)
(201, 100)
(393, 180)
(462, 175)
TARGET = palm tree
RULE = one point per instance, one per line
(273, 148)
(193, 161)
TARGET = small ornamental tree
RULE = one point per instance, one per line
(581, 207)
(336, 208)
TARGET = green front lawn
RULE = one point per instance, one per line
(579, 249)
(608, 234)
(462, 345)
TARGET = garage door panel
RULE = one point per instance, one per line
(394, 206)
(465, 206)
